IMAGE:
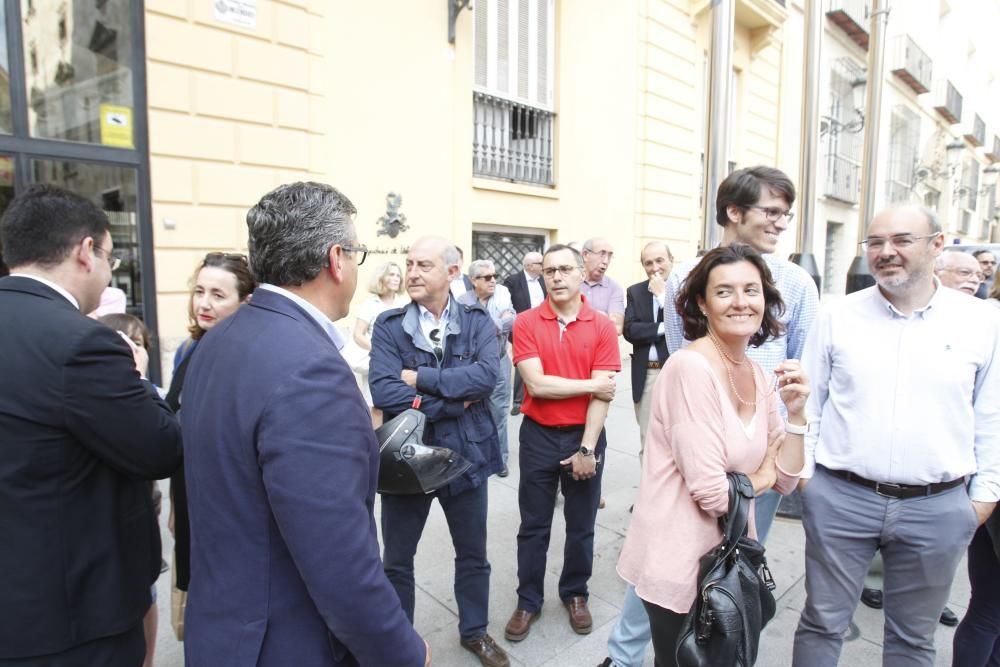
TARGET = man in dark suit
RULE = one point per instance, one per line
(527, 290)
(81, 433)
(282, 463)
(644, 328)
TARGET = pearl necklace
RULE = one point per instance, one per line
(732, 383)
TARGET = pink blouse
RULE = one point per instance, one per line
(695, 437)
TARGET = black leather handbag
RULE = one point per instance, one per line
(734, 593)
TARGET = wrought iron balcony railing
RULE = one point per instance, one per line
(842, 179)
(911, 64)
(512, 141)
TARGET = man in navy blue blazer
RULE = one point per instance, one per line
(444, 354)
(282, 463)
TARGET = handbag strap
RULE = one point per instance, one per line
(736, 521)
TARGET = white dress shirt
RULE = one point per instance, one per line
(48, 283)
(322, 320)
(906, 400)
(535, 292)
(659, 303)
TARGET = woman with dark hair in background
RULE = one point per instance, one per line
(220, 284)
(714, 411)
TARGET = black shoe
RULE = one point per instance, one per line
(607, 662)
(871, 597)
(948, 618)
(515, 411)
(504, 472)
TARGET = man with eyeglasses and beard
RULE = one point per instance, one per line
(568, 356)
(442, 357)
(902, 453)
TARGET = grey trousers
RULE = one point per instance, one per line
(922, 542)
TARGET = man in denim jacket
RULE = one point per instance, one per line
(442, 357)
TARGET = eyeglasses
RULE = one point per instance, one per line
(965, 274)
(435, 336)
(228, 256)
(772, 213)
(358, 248)
(113, 260)
(487, 278)
(563, 270)
(605, 254)
(898, 241)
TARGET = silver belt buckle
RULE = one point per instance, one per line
(888, 485)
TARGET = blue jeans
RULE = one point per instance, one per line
(403, 519)
(500, 404)
(765, 508)
(542, 448)
(631, 634)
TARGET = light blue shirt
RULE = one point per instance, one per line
(322, 320)
(906, 400)
(429, 323)
(801, 298)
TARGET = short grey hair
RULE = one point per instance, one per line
(292, 228)
(932, 219)
(451, 256)
(477, 267)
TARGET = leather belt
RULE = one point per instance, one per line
(898, 491)
(654, 364)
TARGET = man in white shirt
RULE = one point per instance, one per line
(904, 410)
(496, 300)
(959, 270)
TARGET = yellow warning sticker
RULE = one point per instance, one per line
(116, 126)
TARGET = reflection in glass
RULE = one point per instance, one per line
(113, 189)
(5, 121)
(76, 58)
(6, 194)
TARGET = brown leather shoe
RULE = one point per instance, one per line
(489, 654)
(519, 624)
(579, 615)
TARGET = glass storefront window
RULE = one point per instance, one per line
(6, 126)
(113, 189)
(6, 194)
(77, 56)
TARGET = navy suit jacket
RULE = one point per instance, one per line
(79, 435)
(282, 465)
(640, 330)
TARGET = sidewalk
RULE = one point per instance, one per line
(552, 643)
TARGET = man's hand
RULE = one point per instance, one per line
(657, 285)
(409, 377)
(584, 467)
(604, 387)
(983, 511)
(139, 355)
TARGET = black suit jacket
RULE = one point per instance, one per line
(80, 433)
(640, 330)
(520, 297)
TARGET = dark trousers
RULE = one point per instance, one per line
(977, 639)
(125, 650)
(665, 626)
(518, 394)
(542, 448)
(403, 519)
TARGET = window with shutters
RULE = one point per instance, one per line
(514, 46)
(904, 141)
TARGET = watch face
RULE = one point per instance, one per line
(586, 451)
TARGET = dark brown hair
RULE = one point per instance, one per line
(743, 189)
(696, 284)
(130, 325)
(234, 263)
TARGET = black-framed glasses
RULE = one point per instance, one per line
(435, 336)
(564, 270)
(114, 261)
(487, 278)
(898, 241)
(772, 213)
(357, 248)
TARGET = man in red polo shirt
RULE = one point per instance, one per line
(567, 354)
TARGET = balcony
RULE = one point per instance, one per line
(975, 131)
(897, 192)
(851, 17)
(993, 155)
(512, 141)
(842, 179)
(948, 102)
(911, 64)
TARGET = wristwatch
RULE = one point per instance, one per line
(796, 429)
(586, 451)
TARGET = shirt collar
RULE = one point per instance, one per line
(321, 319)
(603, 282)
(48, 283)
(427, 316)
(586, 311)
(922, 311)
(527, 277)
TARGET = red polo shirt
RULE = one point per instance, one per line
(588, 344)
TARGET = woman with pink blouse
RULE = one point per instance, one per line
(714, 411)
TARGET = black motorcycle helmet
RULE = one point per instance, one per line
(407, 465)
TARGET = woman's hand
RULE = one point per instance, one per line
(793, 386)
(764, 477)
